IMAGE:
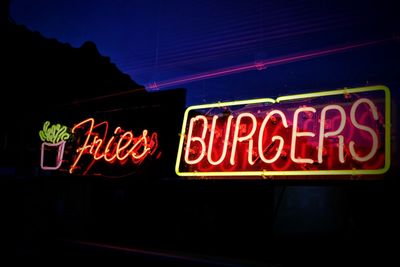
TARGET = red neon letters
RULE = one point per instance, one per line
(121, 146)
(344, 136)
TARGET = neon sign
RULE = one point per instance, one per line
(93, 143)
(341, 132)
(53, 138)
(121, 146)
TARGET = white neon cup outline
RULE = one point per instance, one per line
(60, 155)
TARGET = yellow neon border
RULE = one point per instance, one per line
(287, 98)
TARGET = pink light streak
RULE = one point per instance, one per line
(155, 254)
(259, 65)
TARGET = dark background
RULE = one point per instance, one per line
(204, 222)
(159, 41)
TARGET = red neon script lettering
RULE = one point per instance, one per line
(121, 146)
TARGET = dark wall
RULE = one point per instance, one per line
(287, 223)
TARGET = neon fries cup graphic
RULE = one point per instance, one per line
(52, 149)
(53, 145)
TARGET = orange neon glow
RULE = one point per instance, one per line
(274, 138)
(296, 133)
(192, 139)
(120, 146)
(323, 134)
(248, 137)
(356, 124)
(225, 141)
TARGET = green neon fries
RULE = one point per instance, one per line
(53, 134)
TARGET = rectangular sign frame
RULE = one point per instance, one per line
(266, 173)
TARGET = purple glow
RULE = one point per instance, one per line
(258, 65)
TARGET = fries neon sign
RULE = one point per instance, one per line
(341, 132)
(121, 146)
(92, 142)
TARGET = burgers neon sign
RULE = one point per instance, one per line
(328, 133)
